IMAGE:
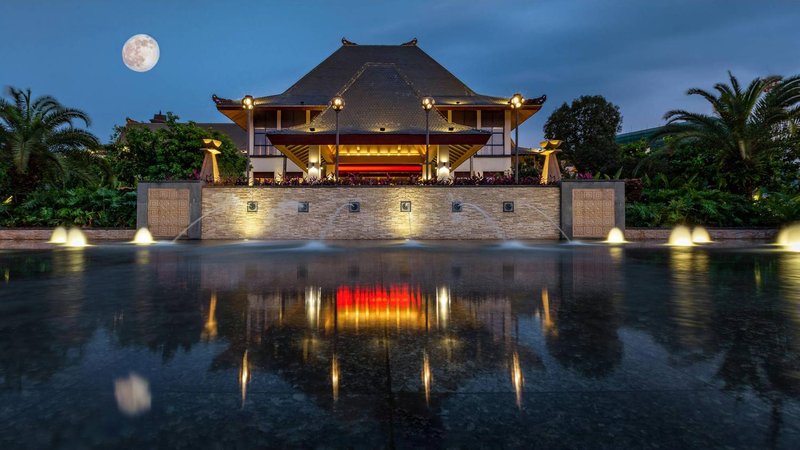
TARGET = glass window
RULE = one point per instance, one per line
(493, 121)
(292, 117)
(465, 117)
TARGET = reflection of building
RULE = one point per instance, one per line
(382, 126)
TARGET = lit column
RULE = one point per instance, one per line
(247, 104)
(337, 104)
(427, 105)
(516, 103)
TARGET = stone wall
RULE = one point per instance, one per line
(43, 234)
(591, 208)
(272, 212)
(717, 234)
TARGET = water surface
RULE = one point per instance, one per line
(237, 345)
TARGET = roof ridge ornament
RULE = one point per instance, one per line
(347, 43)
(411, 43)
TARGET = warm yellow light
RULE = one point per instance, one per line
(789, 238)
(615, 236)
(427, 103)
(248, 102)
(516, 100)
(680, 237)
(337, 103)
(700, 236)
(427, 376)
(517, 378)
(210, 327)
(59, 236)
(76, 238)
(143, 237)
(335, 377)
(244, 376)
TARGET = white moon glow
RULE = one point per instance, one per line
(140, 53)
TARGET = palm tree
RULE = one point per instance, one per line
(39, 140)
(747, 127)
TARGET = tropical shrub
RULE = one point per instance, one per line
(85, 207)
(169, 153)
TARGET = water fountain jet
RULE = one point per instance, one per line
(789, 238)
(59, 236)
(76, 238)
(143, 237)
(700, 236)
(615, 236)
(680, 237)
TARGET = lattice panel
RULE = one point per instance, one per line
(592, 212)
(167, 211)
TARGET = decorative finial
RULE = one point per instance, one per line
(411, 43)
(348, 43)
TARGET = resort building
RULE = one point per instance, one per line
(384, 110)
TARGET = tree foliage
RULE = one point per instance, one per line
(750, 132)
(41, 145)
(171, 152)
(588, 128)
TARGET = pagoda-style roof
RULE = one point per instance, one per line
(424, 74)
(380, 102)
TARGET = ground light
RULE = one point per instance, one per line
(615, 236)
(789, 238)
(76, 238)
(700, 236)
(143, 237)
(680, 237)
(59, 236)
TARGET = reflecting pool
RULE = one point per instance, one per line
(280, 345)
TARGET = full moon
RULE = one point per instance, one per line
(140, 53)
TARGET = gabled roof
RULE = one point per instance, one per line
(379, 96)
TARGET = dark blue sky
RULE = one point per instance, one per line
(640, 54)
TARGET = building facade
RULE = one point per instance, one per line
(381, 128)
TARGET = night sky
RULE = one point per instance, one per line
(642, 55)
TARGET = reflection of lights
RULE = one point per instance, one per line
(517, 378)
(378, 306)
(59, 236)
(132, 394)
(143, 237)
(210, 328)
(615, 236)
(76, 238)
(442, 305)
(700, 236)
(313, 303)
(7, 275)
(789, 270)
(244, 376)
(680, 237)
(427, 377)
(335, 377)
(547, 322)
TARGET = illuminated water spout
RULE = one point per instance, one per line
(76, 238)
(59, 236)
(615, 236)
(789, 238)
(143, 237)
(680, 237)
(700, 236)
